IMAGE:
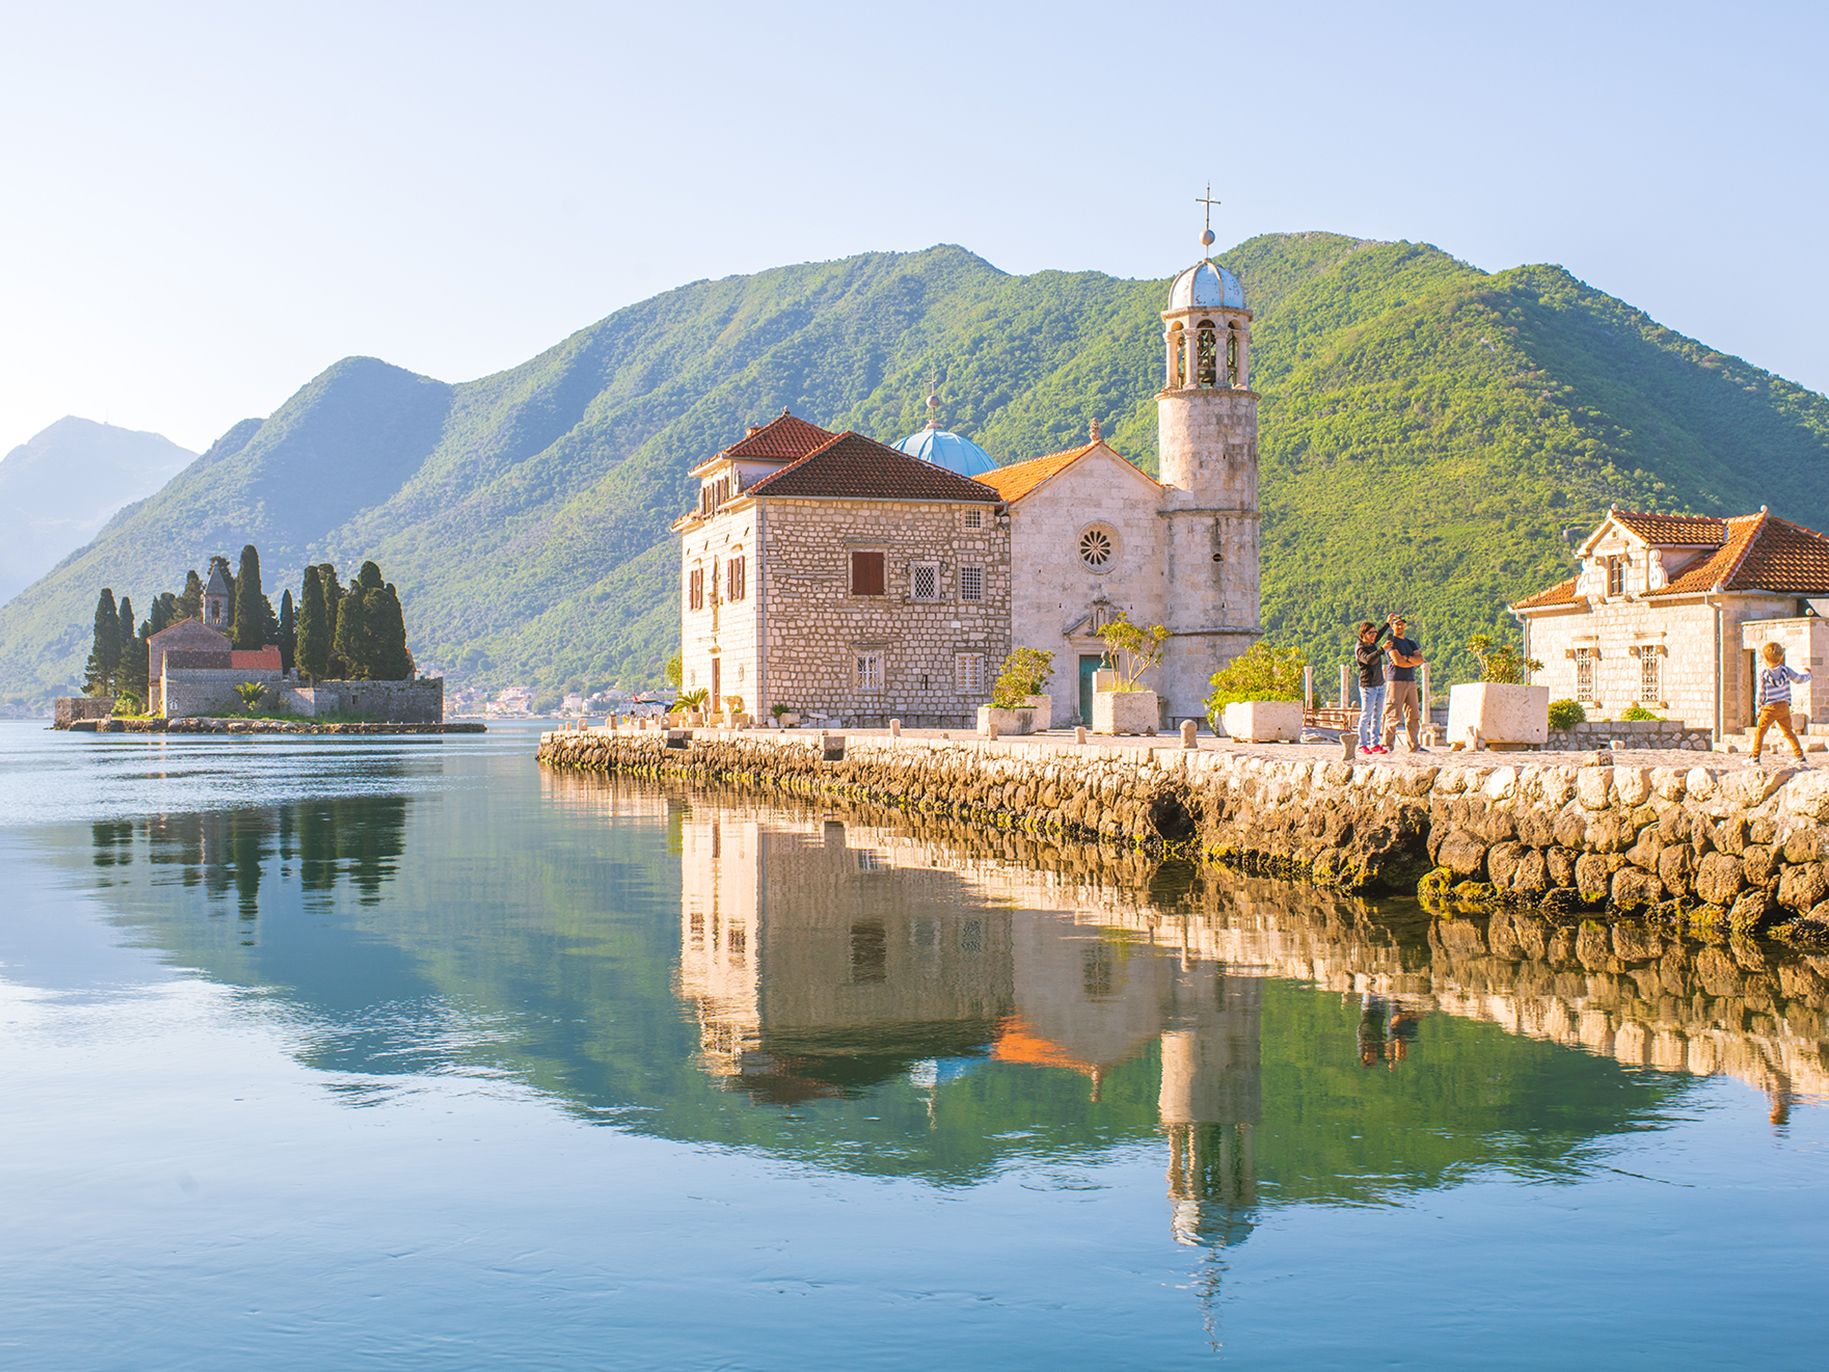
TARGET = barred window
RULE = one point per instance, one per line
(971, 582)
(1651, 676)
(968, 673)
(974, 519)
(1584, 676)
(924, 581)
(867, 669)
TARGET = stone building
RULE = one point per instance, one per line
(1668, 612)
(837, 576)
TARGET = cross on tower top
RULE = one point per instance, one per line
(1206, 236)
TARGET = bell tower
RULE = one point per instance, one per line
(1206, 427)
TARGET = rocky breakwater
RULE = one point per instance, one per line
(1721, 846)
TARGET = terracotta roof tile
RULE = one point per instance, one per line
(1762, 553)
(1718, 567)
(1694, 531)
(852, 467)
(784, 438)
(256, 659)
(1562, 593)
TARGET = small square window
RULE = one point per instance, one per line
(867, 573)
(971, 582)
(968, 673)
(867, 671)
(924, 581)
(974, 519)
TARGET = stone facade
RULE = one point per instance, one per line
(421, 701)
(187, 636)
(67, 710)
(188, 691)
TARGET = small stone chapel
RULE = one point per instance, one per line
(855, 582)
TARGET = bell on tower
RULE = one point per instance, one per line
(1207, 329)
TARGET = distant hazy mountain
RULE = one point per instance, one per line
(59, 488)
(1428, 430)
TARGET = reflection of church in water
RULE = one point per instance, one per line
(813, 975)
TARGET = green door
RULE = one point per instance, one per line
(1089, 663)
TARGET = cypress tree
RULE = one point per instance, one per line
(352, 637)
(334, 665)
(129, 675)
(313, 650)
(369, 578)
(164, 612)
(288, 630)
(387, 628)
(190, 604)
(105, 651)
(251, 609)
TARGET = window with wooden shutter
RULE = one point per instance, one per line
(695, 589)
(735, 577)
(867, 576)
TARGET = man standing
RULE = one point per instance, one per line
(1369, 654)
(1400, 685)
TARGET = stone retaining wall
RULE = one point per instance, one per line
(1631, 733)
(1708, 845)
(66, 710)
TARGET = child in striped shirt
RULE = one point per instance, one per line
(1775, 699)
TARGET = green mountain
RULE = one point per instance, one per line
(60, 486)
(1428, 431)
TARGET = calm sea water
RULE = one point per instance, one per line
(403, 1054)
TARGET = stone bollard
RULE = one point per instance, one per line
(895, 728)
(831, 747)
(1190, 732)
(1349, 747)
(990, 727)
(1079, 733)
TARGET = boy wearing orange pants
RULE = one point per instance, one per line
(1775, 699)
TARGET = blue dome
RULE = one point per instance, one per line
(944, 448)
(1207, 284)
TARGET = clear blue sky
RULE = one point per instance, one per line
(206, 204)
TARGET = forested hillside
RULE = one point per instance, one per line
(1428, 430)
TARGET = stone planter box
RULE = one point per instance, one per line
(1125, 712)
(790, 720)
(1501, 715)
(1263, 721)
(1035, 714)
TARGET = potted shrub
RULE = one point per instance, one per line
(1257, 697)
(691, 705)
(1019, 700)
(786, 717)
(1499, 710)
(1129, 707)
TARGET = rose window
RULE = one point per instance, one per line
(1096, 549)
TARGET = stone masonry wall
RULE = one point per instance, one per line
(66, 710)
(813, 627)
(1743, 848)
(394, 702)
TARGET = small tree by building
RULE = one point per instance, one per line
(105, 648)
(676, 671)
(250, 693)
(1259, 673)
(1025, 673)
(1131, 650)
(1501, 663)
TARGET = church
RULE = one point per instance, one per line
(854, 582)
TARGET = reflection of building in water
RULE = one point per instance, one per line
(814, 971)
(813, 975)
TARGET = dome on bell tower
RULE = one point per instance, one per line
(1206, 285)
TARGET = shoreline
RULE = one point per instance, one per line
(230, 725)
(1700, 841)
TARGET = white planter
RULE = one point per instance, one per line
(1041, 707)
(1518, 715)
(1125, 712)
(1018, 721)
(1263, 721)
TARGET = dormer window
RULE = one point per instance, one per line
(713, 494)
(1616, 577)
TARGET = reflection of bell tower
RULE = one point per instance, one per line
(1206, 432)
(1209, 1102)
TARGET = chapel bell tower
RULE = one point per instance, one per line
(1206, 424)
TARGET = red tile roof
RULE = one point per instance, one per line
(852, 467)
(256, 659)
(1562, 593)
(1761, 552)
(1689, 531)
(784, 438)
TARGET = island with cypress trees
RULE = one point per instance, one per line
(218, 655)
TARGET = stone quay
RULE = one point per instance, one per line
(1707, 844)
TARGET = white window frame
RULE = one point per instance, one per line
(968, 673)
(916, 572)
(867, 670)
(971, 582)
